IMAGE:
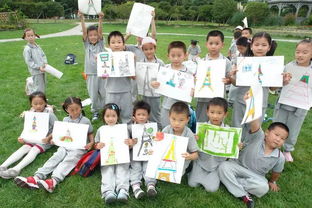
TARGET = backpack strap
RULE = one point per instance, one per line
(83, 159)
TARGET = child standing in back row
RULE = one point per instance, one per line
(149, 49)
(35, 60)
(292, 116)
(176, 54)
(214, 44)
(93, 44)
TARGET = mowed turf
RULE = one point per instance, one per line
(76, 191)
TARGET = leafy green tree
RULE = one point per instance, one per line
(223, 10)
(257, 12)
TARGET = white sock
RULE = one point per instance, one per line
(31, 156)
(18, 154)
(136, 186)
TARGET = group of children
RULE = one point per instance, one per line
(114, 97)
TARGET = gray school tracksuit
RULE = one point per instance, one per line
(191, 145)
(239, 109)
(168, 102)
(138, 168)
(193, 52)
(205, 171)
(114, 177)
(44, 147)
(35, 58)
(139, 55)
(95, 84)
(63, 160)
(154, 100)
(246, 175)
(293, 117)
(202, 103)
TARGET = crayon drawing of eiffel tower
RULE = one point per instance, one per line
(251, 108)
(207, 80)
(167, 168)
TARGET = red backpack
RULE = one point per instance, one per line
(87, 163)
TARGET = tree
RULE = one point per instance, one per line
(257, 12)
(223, 10)
(205, 13)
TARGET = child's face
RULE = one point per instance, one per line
(241, 49)
(93, 36)
(303, 54)
(216, 114)
(176, 57)
(74, 110)
(38, 104)
(178, 121)
(141, 116)
(214, 45)
(275, 138)
(116, 43)
(245, 33)
(30, 36)
(110, 117)
(149, 50)
(260, 46)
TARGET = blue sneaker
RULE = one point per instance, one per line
(110, 197)
(122, 196)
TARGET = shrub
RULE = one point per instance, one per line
(257, 12)
(289, 19)
(274, 21)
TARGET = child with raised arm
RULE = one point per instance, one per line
(35, 60)
(149, 50)
(118, 89)
(179, 116)
(205, 169)
(176, 54)
(214, 44)
(292, 116)
(64, 159)
(260, 155)
(93, 44)
(115, 178)
(141, 114)
(38, 102)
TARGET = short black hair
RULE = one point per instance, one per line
(249, 29)
(92, 27)
(140, 104)
(218, 101)
(194, 42)
(215, 33)
(180, 107)
(177, 44)
(115, 33)
(242, 41)
(38, 94)
(280, 125)
(237, 34)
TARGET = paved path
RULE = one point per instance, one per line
(77, 31)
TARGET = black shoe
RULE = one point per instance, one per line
(248, 201)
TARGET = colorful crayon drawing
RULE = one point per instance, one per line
(298, 92)
(251, 107)
(67, 137)
(146, 73)
(36, 127)
(207, 80)
(111, 156)
(218, 141)
(168, 166)
(166, 162)
(104, 59)
(145, 135)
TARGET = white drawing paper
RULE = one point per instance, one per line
(140, 19)
(53, 71)
(115, 150)
(209, 77)
(298, 92)
(166, 162)
(175, 84)
(36, 127)
(266, 70)
(145, 74)
(253, 104)
(90, 7)
(115, 64)
(145, 135)
(70, 135)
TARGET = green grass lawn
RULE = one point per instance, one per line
(76, 191)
